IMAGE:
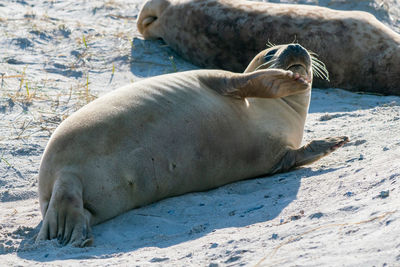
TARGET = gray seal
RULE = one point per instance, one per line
(173, 134)
(361, 53)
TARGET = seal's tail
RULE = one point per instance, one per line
(147, 22)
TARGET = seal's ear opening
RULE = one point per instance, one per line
(143, 25)
(147, 21)
(148, 16)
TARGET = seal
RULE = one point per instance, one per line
(172, 134)
(360, 52)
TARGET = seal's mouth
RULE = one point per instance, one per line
(298, 67)
(300, 71)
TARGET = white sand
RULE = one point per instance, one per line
(343, 210)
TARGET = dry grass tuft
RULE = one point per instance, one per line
(52, 106)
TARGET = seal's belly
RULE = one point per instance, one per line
(163, 138)
(197, 145)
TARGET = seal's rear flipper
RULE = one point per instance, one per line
(270, 83)
(65, 218)
(309, 153)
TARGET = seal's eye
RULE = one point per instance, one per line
(270, 54)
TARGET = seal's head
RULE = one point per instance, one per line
(291, 57)
(148, 22)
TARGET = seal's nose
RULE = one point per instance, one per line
(294, 53)
(296, 48)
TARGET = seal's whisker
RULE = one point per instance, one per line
(314, 58)
(269, 44)
(320, 64)
(320, 68)
(259, 67)
(272, 61)
(320, 71)
(273, 66)
(316, 73)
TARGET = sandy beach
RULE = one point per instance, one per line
(344, 210)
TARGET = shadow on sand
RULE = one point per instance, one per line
(180, 219)
(151, 58)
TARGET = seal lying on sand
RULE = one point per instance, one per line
(361, 53)
(172, 134)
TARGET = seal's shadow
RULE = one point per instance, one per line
(151, 58)
(188, 217)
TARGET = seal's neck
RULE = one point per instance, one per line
(299, 102)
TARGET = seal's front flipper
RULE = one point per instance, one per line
(309, 153)
(270, 83)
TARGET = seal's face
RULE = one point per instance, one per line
(291, 57)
